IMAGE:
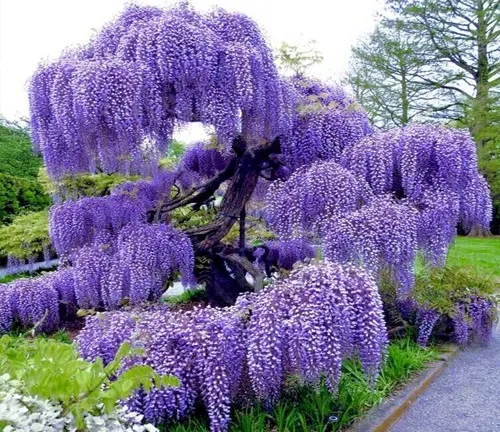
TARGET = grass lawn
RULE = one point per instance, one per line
(480, 253)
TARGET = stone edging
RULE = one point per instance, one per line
(382, 417)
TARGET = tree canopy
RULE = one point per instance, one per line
(296, 156)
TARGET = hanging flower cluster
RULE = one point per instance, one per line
(312, 196)
(327, 121)
(74, 224)
(380, 235)
(35, 302)
(200, 163)
(283, 254)
(303, 325)
(435, 169)
(113, 104)
(471, 320)
(135, 266)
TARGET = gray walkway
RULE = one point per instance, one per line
(465, 398)
(25, 268)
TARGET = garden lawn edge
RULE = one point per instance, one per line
(382, 417)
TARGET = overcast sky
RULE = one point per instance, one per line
(32, 30)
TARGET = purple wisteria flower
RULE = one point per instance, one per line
(113, 104)
(305, 324)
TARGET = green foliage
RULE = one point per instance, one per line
(441, 288)
(186, 217)
(175, 152)
(306, 409)
(192, 295)
(298, 58)
(27, 235)
(52, 370)
(84, 184)
(16, 156)
(388, 73)
(256, 232)
(20, 194)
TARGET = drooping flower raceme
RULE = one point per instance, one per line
(33, 302)
(306, 325)
(134, 266)
(380, 235)
(113, 104)
(327, 122)
(435, 169)
(200, 163)
(312, 196)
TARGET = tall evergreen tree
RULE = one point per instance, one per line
(462, 38)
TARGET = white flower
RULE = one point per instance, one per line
(24, 413)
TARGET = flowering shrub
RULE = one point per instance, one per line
(458, 300)
(19, 412)
(303, 325)
(45, 386)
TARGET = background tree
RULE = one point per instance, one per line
(463, 41)
(296, 59)
(387, 73)
(20, 190)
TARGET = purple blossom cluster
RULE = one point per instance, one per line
(305, 325)
(203, 348)
(74, 224)
(327, 122)
(382, 234)
(460, 325)
(472, 319)
(308, 323)
(435, 169)
(200, 163)
(37, 302)
(283, 254)
(113, 104)
(481, 317)
(134, 266)
(426, 319)
(311, 197)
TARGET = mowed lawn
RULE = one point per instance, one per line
(481, 253)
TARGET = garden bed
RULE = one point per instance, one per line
(306, 409)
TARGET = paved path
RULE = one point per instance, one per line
(25, 268)
(465, 398)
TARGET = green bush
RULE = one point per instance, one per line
(16, 156)
(442, 288)
(52, 370)
(20, 195)
(26, 236)
(83, 184)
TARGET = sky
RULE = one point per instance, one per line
(35, 30)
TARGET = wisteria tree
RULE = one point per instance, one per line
(292, 158)
(301, 151)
